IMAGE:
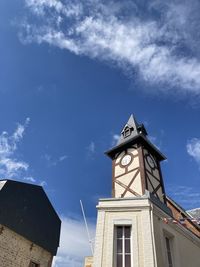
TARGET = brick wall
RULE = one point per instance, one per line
(178, 214)
(17, 251)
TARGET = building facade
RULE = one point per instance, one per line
(140, 226)
(15, 250)
(29, 226)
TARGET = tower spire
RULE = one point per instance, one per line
(131, 130)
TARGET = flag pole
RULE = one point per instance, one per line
(86, 226)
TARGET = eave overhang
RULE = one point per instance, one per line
(139, 139)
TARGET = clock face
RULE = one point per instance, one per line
(126, 160)
(151, 161)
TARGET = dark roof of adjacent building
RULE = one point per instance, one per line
(26, 209)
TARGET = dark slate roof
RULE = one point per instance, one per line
(134, 129)
(26, 209)
(136, 135)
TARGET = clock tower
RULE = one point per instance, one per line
(140, 226)
(136, 164)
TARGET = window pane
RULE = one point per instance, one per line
(127, 246)
(119, 232)
(169, 258)
(127, 231)
(119, 245)
(167, 243)
(169, 255)
(123, 246)
(128, 260)
(119, 260)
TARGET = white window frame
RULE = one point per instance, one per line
(123, 244)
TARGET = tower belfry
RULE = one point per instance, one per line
(136, 164)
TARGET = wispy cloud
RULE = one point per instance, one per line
(73, 250)
(43, 183)
(30, 179)
(61, 158)
(186, 196)
(115, 138)
(53, 161)
(193, 149)
(156, 39)
(91, 148)
(10, 166)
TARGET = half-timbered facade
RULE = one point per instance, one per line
(136, 164)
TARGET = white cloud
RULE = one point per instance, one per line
(74, 245)
(137, 42)
(91, 148)
(193, 149)
(40, 6)
(19, 132)
(61, 158)
(43, 183)
(51, 161)
(115, 138)
(30, 179)
(10, 166)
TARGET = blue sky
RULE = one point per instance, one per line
(71, 74)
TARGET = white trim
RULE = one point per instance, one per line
(134, 240)
(123, 222)
(153, 236)
(123, 239)
(148, 255)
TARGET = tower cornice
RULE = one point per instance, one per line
(138, 139)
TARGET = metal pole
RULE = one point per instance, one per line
(86, 226)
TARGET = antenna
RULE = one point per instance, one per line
(86, 226)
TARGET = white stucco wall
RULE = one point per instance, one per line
(134, 212)
(185, 246)
(148, 235)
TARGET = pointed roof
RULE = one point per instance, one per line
(133, 133)
(130, 130)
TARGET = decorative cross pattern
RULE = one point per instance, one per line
(128, 187)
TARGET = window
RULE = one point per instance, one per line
(123, 246)
(127, 131)
(168, 243)
(33, 264)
